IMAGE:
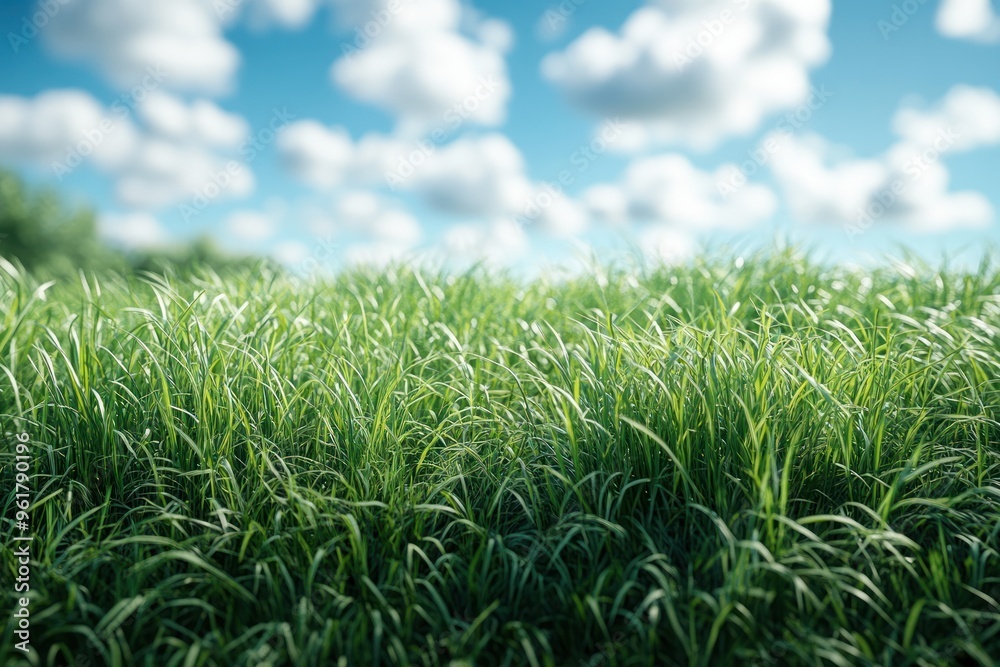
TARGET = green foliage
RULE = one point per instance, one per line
(37, 230)
(771, 464)
(192, 258)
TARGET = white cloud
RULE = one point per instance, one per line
(365, 212)
(696, 73)
(421, 65)
(968, 19)
(291, 252)
(136, 231)
(63, 126)
(126, 39)
(182, 155)
(162, 173)
(376, 254)
(390, 234)
(315, 154)
(357, 226)
(907, 184)
(250, 226)
(564, 217)
(482, 177)
(608, 203)
(973, 114)
(499, 243)
(327, 157)
(495, 34)
(665, 244)
(386, 232)
(291, 14)
(391, 16)
(479, 176)
(201, 122)
(669, 189)
(817, 190)
(353, 207)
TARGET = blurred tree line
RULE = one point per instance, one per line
(49, 238)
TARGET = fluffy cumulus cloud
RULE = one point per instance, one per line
(696, 72)
(291, 14)
(315, 154)
(428, 62)
(159, 153)
(384, 232)
(250, 226)
(498, 243)
(908, 184)
(130, 39)
(201, 122)
(162, 173)
(665, 244)
(554, 212)
(975, 20)
(134, 231)
(64, 127)
(973, 114)
(668, 189)
(367, 213)
(481, 177)
(478, 176)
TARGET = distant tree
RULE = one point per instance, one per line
(38, 230)
(189, 258)
(48, 238)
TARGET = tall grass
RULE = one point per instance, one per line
(776, 463)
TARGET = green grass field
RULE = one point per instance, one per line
(759, 463)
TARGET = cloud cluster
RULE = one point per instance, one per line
(64, 126)
(250, 226)
(668, 189)
(315, 154)
(695, 72)
(388, 233)
(134, 231)
(479, 176)
(124, 39)
(671, 200)
(498, 243)
(474, 176)
(159, 152)
(969, 19)
(907, 184)
(421, 59)
(201, 122)
(289, 14)
(973, 113)
(684, 72)
(429, 63)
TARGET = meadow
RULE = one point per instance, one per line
(753, 461)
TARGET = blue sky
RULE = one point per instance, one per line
(898, 77)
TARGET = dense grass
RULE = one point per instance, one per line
(760, 463)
